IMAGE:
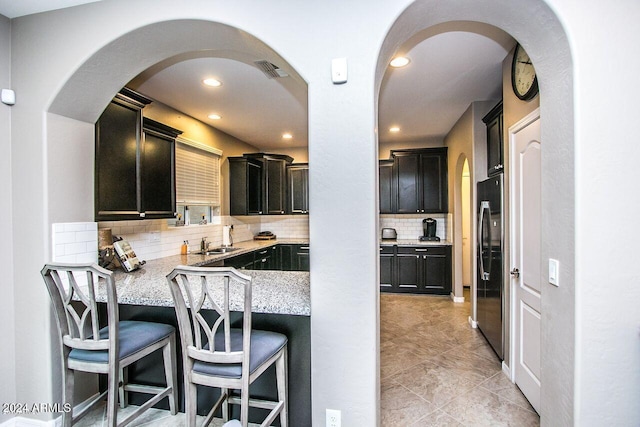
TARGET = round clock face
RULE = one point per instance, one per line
(523, 75)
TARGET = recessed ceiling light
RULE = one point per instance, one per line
(287, 136)
(394, 129)
(215, 116)
(212, 82)
(399, 61)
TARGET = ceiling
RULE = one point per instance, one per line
(451, 66)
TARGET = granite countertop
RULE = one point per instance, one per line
(277, 292)
(413, 242)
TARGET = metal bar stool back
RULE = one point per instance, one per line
(218, 354)
(85, 346)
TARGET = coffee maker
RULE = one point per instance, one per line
(429, 230)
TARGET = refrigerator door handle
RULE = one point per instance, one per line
(484, 206)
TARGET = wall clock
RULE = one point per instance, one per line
(523, 76)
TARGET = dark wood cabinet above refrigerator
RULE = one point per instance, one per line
(494, 122)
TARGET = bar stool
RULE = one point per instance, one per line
(88, 348)
(217, 355)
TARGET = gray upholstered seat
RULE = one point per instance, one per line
(110, 350)
(264, 345)
(133, 336)
(217, 355)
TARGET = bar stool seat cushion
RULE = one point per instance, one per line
(133, 337)
(264, 344)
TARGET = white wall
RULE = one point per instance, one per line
(7, 330)
(590, 360)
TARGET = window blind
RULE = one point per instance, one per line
(197, 173)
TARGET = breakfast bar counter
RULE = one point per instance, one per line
(280, 303)
(274, 292)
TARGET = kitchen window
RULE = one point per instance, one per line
(197, 182)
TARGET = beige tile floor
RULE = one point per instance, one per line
(437, 371)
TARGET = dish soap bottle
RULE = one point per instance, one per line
(184, 249)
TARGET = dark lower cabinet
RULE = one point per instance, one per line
(386, 267)
(286, 257)
(415, 269)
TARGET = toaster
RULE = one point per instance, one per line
(389, 233)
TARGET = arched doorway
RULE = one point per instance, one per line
(546, 41)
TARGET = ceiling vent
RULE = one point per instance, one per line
(271, 70)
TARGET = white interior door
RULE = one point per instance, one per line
(526, 277)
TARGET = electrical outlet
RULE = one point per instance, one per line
(333, 418)
(154, 237)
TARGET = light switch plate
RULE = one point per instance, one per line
(339, 70)
(554, 272)
(8, 97)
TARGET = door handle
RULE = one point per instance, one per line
(515, 273)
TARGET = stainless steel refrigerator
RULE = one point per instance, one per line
(490, 289)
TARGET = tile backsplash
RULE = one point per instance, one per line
(409, 226)
(75, 242)
(152, 239)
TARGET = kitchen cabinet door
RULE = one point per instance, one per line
(387, 270)
(386, 186)
(406, 177)
(494, 122)
(135, 163)
(275, 185)
(433, 182)
(409, 268)
(116, 163)
(245, 186)
(436, 270)
(158, 182)
(298, 189)
(302, 258)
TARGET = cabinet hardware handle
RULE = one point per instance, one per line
(264, 260)
(263, 252)
(422, 250)
(142, 214)
(305, 247)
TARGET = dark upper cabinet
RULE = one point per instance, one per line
(134, 163)
(275, 185)
(495, 143)
(419, 182)
(245, 186)
(257, 184)
(298, 189)
(158, 158)
(386, 186)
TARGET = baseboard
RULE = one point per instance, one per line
(457, 299)
(506, 370)
(29, 422)
(473, 323)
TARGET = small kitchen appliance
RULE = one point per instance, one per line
(429, 230)
(389, 234)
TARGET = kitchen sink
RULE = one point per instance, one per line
(217, 251)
